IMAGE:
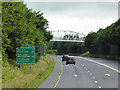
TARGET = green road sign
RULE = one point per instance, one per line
(32, 46)
(25, 55)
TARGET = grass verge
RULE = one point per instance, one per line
(24, 77)
(85, 54)
(109, 57)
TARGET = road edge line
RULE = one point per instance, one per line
(59, 75)
(102, 64)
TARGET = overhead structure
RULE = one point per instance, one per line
(67, 36)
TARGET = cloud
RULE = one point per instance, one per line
(83, 26)
(82, 17)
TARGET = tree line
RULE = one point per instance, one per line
(105, 41)
(21, 25)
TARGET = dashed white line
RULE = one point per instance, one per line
(93, 77)
(75, 75)
(99, 87)
(90, 73)
(95, 81)
(107, 75)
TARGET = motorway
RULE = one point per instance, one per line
(86, 73)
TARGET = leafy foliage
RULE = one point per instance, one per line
(100, 42)
(22, 26)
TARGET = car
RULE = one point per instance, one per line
(64, 57)
(70, 60)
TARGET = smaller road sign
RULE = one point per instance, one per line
(43, 50)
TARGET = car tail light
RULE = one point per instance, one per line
(73, 59)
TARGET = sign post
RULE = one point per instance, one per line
(43, 50)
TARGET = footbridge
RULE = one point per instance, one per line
(67, 36)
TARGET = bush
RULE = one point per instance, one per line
(52, 52)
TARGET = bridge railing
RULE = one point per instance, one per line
(67, 36)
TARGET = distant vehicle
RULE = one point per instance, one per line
(64, 57)
(70, 60)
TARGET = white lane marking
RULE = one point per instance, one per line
(102, 64)
(90, 73)
(99, 87)
(107, 75)
(95, 81)
(93, 77)
(75, 75)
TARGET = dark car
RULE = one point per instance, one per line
(70, 60)
(64, 57)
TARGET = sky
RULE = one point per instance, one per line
(82, 17)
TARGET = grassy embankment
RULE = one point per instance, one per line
(24, 77)
(115, 58)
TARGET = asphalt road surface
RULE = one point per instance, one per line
(86, 73)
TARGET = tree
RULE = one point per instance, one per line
(100, 42)
(89, 42)
(22, 26)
